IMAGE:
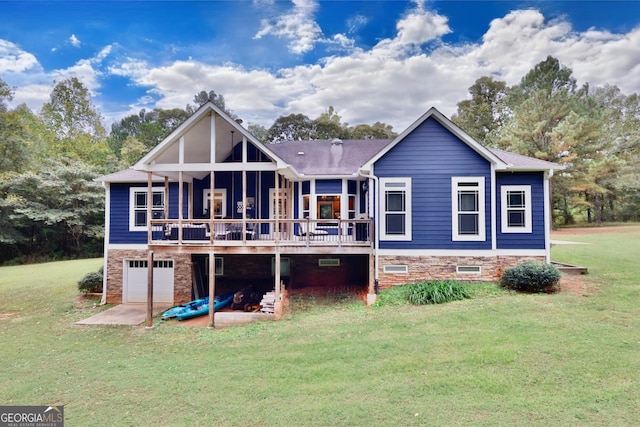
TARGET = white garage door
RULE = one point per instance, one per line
(135, 286)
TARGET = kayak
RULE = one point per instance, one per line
(198, 307)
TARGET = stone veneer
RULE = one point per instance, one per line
(115, 267)
(444, 268)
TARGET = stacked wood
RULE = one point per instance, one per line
(268, 302)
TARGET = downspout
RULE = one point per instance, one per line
(547, 215)
(107, 225)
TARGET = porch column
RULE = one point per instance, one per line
(212, 288)
(149, 206)
(211, 196)
(277, 207)
(166, 198)
(180, 205)
(149, 324)
(244, 204)
(212, 139)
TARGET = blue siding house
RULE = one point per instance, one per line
(214, 210)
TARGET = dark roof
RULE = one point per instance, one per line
(328, 157)
(518, 161)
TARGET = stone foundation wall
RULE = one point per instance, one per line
(444, 268)
(115, 269)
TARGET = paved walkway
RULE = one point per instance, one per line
(123, 314)
(567, 242)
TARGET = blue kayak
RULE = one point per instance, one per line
(198, 307)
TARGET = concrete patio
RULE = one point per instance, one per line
(123, 314)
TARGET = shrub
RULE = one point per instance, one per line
(437, 292)
(91, 282)
(534, 277)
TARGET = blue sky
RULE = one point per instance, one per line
(372, 61)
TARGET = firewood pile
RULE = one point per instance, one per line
(268, 302)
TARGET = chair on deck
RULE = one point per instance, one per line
(309, 229)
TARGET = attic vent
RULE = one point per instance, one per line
(300, 153)
(336, 141)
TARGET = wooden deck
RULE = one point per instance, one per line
(294, 236)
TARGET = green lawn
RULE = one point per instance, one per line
(497, 359)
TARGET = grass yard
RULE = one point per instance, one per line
(499, 359)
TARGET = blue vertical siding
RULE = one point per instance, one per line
(119, 213)
(535, 239)
(431, 155)
(329, 186)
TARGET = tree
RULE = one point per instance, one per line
(217, 99)
(259, 131)
(74, 124)
(329, 125)
(484, 114)
(57, 211)
(290, 128)
(149, 128)
(15, 152)
(6, 94)
(378, 130)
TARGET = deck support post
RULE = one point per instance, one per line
(212, 289)
(149, 324)
(277, 276)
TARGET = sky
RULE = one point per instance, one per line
(387, 61)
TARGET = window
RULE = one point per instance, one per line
(138, 207)
(468, 269)
(218, 268)
(329, 262)
(285, 266)
(468, 218)
(396, 208)
(516, 208)
(395, 269)
(219, 202)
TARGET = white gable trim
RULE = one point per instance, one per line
(175, 136)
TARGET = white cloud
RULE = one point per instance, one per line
(297, 26)
(75, 42)
(15, 60)
(395, 81)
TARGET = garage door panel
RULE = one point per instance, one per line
(136, 281)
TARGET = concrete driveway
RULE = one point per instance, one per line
(123, 314)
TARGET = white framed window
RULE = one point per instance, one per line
(285, 266)
(468, 269)
(138, 207)
(218, 269)
(468, 209)
(329, 262)
(516, 208)
(395, 269)
(396, 208)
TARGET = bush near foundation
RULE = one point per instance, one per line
(532, 277)
(91, 283)
(437, 292)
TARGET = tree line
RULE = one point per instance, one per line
(51, 207)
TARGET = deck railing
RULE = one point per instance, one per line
(232, 232)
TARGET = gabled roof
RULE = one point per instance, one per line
(197, 131)
(328, 157)
(523, 163)
(449, 125)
